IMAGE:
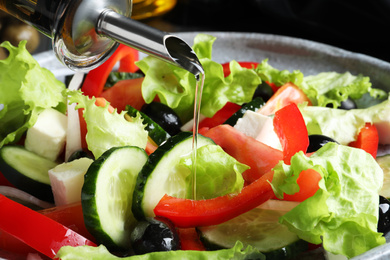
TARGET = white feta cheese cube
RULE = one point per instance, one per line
(67, 180)
(259, 127)
(47, 136)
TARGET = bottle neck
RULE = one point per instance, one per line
(76, 41)
(86, 32)
(41, 14)
(71, 26)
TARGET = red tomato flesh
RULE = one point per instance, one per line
(247, 150)
(70, 216)
(285, 95)
(125, 92)
(308, 186)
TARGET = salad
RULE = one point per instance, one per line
(286, 163)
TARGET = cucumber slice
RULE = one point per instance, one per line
(156, 132)
(259, 228)
(107, 193)
(27, 171)
(384, 163)
(161, 175)
(253, 105)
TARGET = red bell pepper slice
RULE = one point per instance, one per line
(189, 239)
(96, 79)
(367, 139)
(13, 245)
(186, 213)
(221, 116)
(260, 157)
(291, 129)
(70, 216)
(36, 230)
(244, 64)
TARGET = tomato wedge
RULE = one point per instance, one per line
(367, 139)
(71, 216)
(96, 79)
(186, 213)
(36, 230)
(308, 186)
(247, 150)
(285, 95)
(291, 129)
(125, 92)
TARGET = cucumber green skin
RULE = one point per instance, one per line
(88, 202)
(288, 252)
(36, 188)
(114, 77)
(156, 132)
(254, 105)
(148, 170)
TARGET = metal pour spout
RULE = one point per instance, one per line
(148, 40)
(86, 32)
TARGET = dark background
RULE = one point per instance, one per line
(354, 25)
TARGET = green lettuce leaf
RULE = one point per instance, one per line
(217, 173)
(344, 125)
(105, 129)
(26, 90)
(343, 213)
(175, 86)
(333, 88)
(324, 88)
(384, 162)
(278, 77)
(238, 252)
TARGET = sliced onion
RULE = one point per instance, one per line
(383, 149)
(34, 256)
(23, 196)
(279, 205)
(189, 125)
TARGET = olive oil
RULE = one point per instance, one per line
(183, 55)
(197, 104)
